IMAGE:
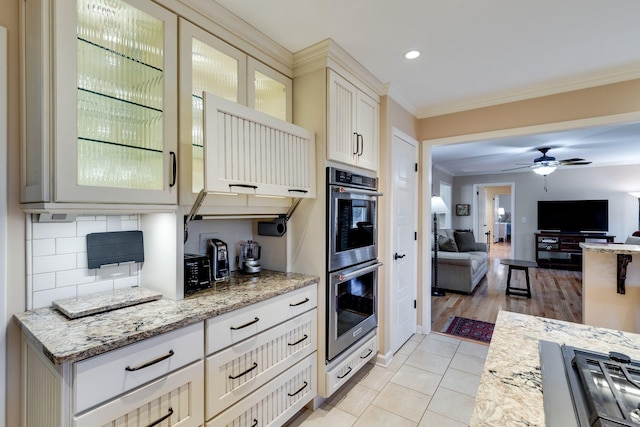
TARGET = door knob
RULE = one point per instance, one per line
(396, 256)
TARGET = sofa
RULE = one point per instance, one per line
(462, 262)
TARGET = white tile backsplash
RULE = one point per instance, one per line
(44, 247)
(57, 259)
(70, 245)
(44, 281)
(50, 263)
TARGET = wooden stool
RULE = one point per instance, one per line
(518, 264)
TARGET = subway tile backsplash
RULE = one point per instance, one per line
(57, 259)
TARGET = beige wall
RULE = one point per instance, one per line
(9, 18)
(392, 115)
(598, 101)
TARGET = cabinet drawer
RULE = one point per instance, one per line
(178, 397)
(103, 377)
(231, 328)
(235, 372)
(276, 402)
(339, 374)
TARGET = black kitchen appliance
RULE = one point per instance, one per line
(219, 256)
(197, 273)
(586, 388)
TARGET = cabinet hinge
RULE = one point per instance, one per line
(416, 167)
(415, 304)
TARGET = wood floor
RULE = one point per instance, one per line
(556, 294)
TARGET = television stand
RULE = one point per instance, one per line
(562, 250)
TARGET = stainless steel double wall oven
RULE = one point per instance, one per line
(352, 264)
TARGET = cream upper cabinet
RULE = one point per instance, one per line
(353, 125)
(208, 64)
(269, 91)
(100, 102)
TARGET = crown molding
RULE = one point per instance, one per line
(222, 23)
(550, 88)
(328, 53)
(389, 91)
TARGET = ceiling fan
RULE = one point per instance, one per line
(544, 165)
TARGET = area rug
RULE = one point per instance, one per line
(469, 328)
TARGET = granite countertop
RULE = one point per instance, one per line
(611, 248)
(65, 340)
(510, 392)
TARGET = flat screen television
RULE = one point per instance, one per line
(573, 215)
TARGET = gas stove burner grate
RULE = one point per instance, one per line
(611, 384)
(583, 388)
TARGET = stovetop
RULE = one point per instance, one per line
(585, 388)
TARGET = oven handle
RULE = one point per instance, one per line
(356, 191)
(343, 277)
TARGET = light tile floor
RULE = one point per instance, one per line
(431, 381)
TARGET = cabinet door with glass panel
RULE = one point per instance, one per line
(209, 64)
(111, 102)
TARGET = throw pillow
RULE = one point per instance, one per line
(447, 245)
(465, 241)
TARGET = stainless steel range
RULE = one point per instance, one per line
(584, 388)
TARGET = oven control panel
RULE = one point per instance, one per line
(342, 177)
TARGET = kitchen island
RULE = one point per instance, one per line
(510, 391)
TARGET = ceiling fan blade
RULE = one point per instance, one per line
(575, 159)
(512, 169)
(575, 163)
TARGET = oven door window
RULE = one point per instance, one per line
(355, 224)
(355, 302)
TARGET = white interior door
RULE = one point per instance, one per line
(404, 270)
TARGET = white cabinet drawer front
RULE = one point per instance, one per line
(103, 377)
(231, 328)
(235, 372)
(341, 373)
(273, 404)
(176, 400)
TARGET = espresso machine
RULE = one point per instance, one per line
(250, 257)
(219, 256)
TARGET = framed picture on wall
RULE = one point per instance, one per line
(462, 210)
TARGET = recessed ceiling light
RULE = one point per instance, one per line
(412, 54)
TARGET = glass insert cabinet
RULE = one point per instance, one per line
(208, 64)
(106, 124)
(101, 92)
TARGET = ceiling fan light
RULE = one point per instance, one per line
(544, 169)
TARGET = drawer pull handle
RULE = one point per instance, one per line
(150, 362)
(306, 300)
(255, 365)
(367, 355)
(299, 341)
(299, 391)
(156, 422)
(235, 328)
(345, 374)
(255, 423)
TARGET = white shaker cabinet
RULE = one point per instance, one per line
(100, 122)
(353, 124)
